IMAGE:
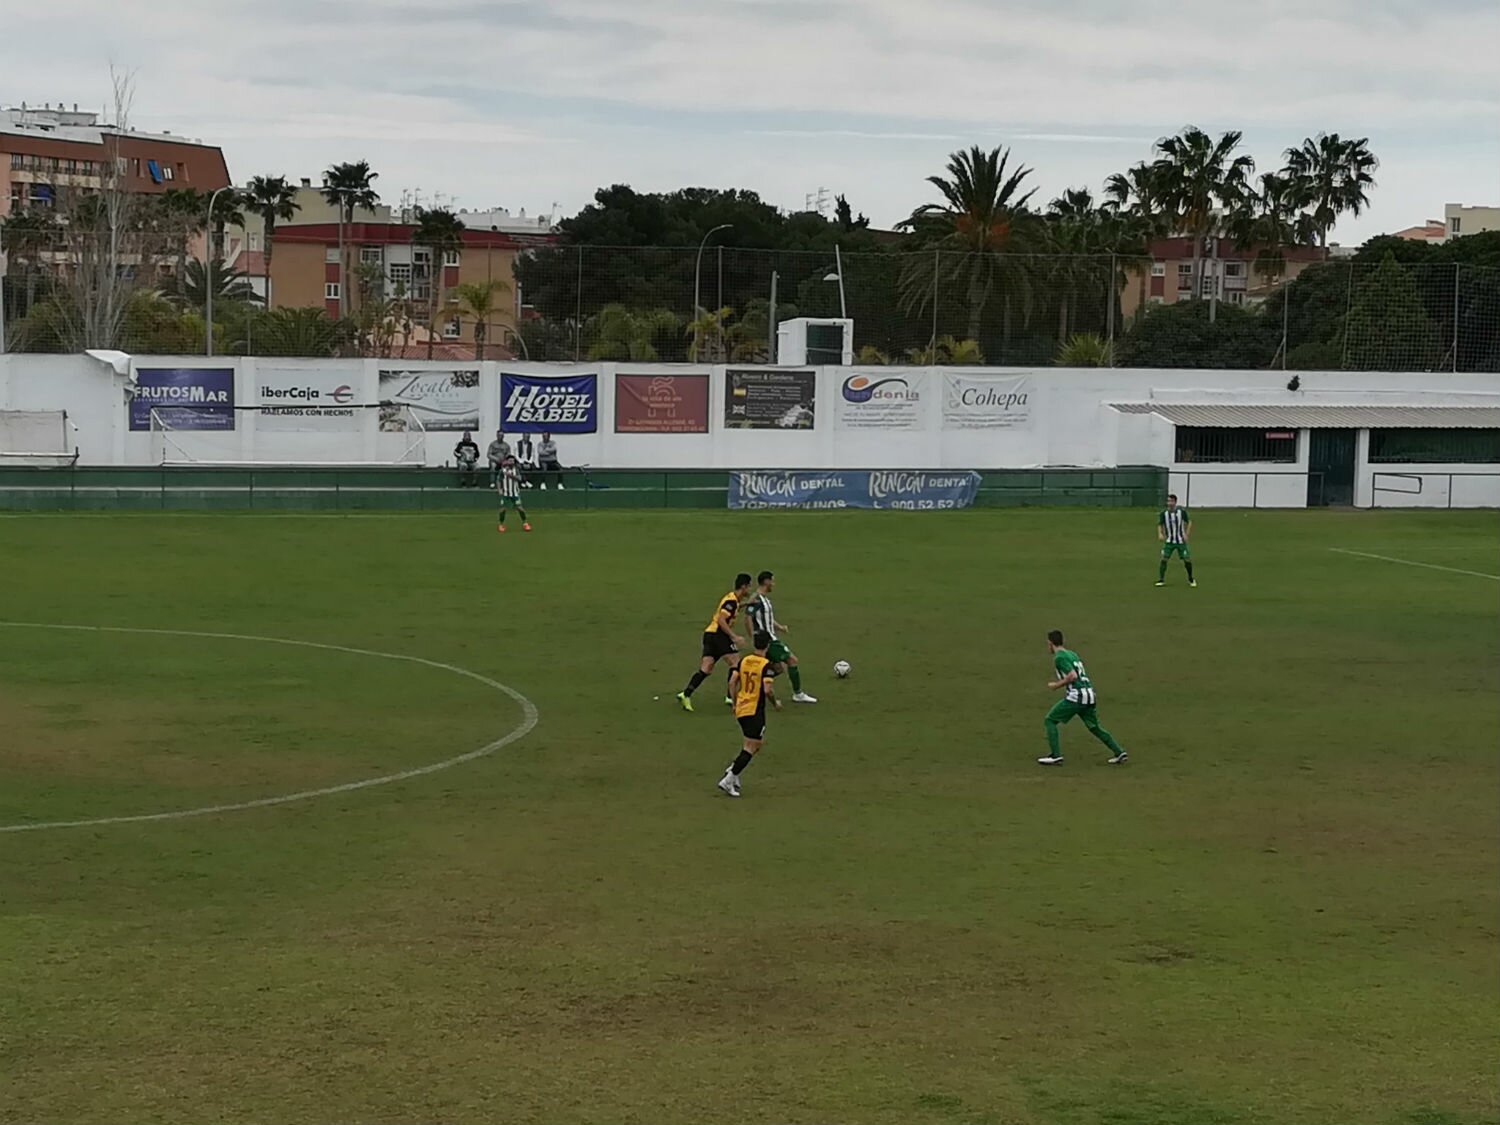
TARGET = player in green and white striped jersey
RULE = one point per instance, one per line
(1174, 526)
(762, 616)
(1078, 699)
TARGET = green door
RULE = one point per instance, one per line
(1330, 468)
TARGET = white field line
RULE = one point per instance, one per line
(1413, 562)
(529, 719)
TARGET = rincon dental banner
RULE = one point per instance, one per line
(859, 488)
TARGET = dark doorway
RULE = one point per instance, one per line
(1330, 468)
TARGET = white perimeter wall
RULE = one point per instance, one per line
(1070, 424)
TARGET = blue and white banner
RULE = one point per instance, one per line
(531, 404)
(184, 398)
(859, 488)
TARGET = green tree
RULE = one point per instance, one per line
(946, 351)
(1085, 349)
(1332, 176)
(297, 332)
(1182, 335)
(349, 188)
(229, 285)
(273, 199)
(1387, 328)
(981, 231)
(478, 300)
(635, 335)
(26, 236)
(180, 214)
(1271, 220)
(1201, 185)
(1136, 199)
(707, 333)
(440, 231)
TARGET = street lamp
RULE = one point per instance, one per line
(698, 265)
(208, 280)
(838, 275)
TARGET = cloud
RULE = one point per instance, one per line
(526, 102)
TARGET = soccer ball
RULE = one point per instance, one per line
(842, 669)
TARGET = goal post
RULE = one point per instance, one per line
(377, 435)
(42, 438)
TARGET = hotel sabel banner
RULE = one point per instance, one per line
(539, 404)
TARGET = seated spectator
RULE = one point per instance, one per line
(546, 455)
(466, 455)
(498, 451)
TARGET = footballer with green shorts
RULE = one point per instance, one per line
(763, 618)
(1173, 528)
(1078, 700)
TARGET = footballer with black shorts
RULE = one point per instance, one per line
(719, 639)
(752, 687)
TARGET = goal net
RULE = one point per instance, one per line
(36, 437)
(379, 435)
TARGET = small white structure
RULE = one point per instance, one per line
(820, 342)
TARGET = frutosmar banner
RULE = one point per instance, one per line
(874, 401)
(661, 404)
(760, 399)
(986, 402)
(859, 488)
(291, 399)
(533, 404)
(184, 398)
(440, 400)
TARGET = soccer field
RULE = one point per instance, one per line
(1283, 909)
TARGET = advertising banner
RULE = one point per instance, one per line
(986, 402)
(871, 401)
(184, 398)
(910, 491)
(290, 399)
(532, 404)
(440, 400)
(661, 404)
(758, 399)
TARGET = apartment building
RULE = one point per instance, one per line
(1228, 271)
(48, 152)
(385, 261)
(1460, 220)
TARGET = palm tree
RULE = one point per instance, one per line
(1272, 220)
(180, 211)
(348, 187)
(621, 333)
(477, 299)
(273, 199)
(1201, 183)
(1333, 177)
(1134, 200)
(1081, 237)
(26, 236)
(983, 224)
(706, 331)
(1086, 349)
(229, 284)
(440, 231)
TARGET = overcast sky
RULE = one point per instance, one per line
(536, 103)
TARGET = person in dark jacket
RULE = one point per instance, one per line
(546, 457)
(466, 456)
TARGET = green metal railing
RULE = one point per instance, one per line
(159, 488)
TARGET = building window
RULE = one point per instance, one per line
(54, 165)
(422, 255)
(331, 254)
(252, 242)
(371, 255)
(166, 171)
(1454, 225)
(450, 258)
(1158, 269)
(1434, 447)
(1234, 269)
(453, 329)
(17, 162)
(331, 291)
(1184, 269)
(70, 167)
(135, 165)
(401, 274)
(1234, 296)
(1212, 444)
(182, 171)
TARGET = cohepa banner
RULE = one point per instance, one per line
(306, 399)
(441, 400)
(912, 491)
(184, 398)
(531, 404)
(986, 402)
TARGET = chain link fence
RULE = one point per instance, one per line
(675, 305)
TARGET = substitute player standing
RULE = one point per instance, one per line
(1078, 699)
(509, 488)
(763, 619)
(720, 642)
(1174, 526)
(753, 686)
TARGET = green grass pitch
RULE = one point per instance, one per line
(1282, 910)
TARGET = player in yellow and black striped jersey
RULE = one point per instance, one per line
(720, 642)
(752, 689)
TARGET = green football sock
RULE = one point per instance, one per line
(1161, 571)
(795, 675)
(1050, 725)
